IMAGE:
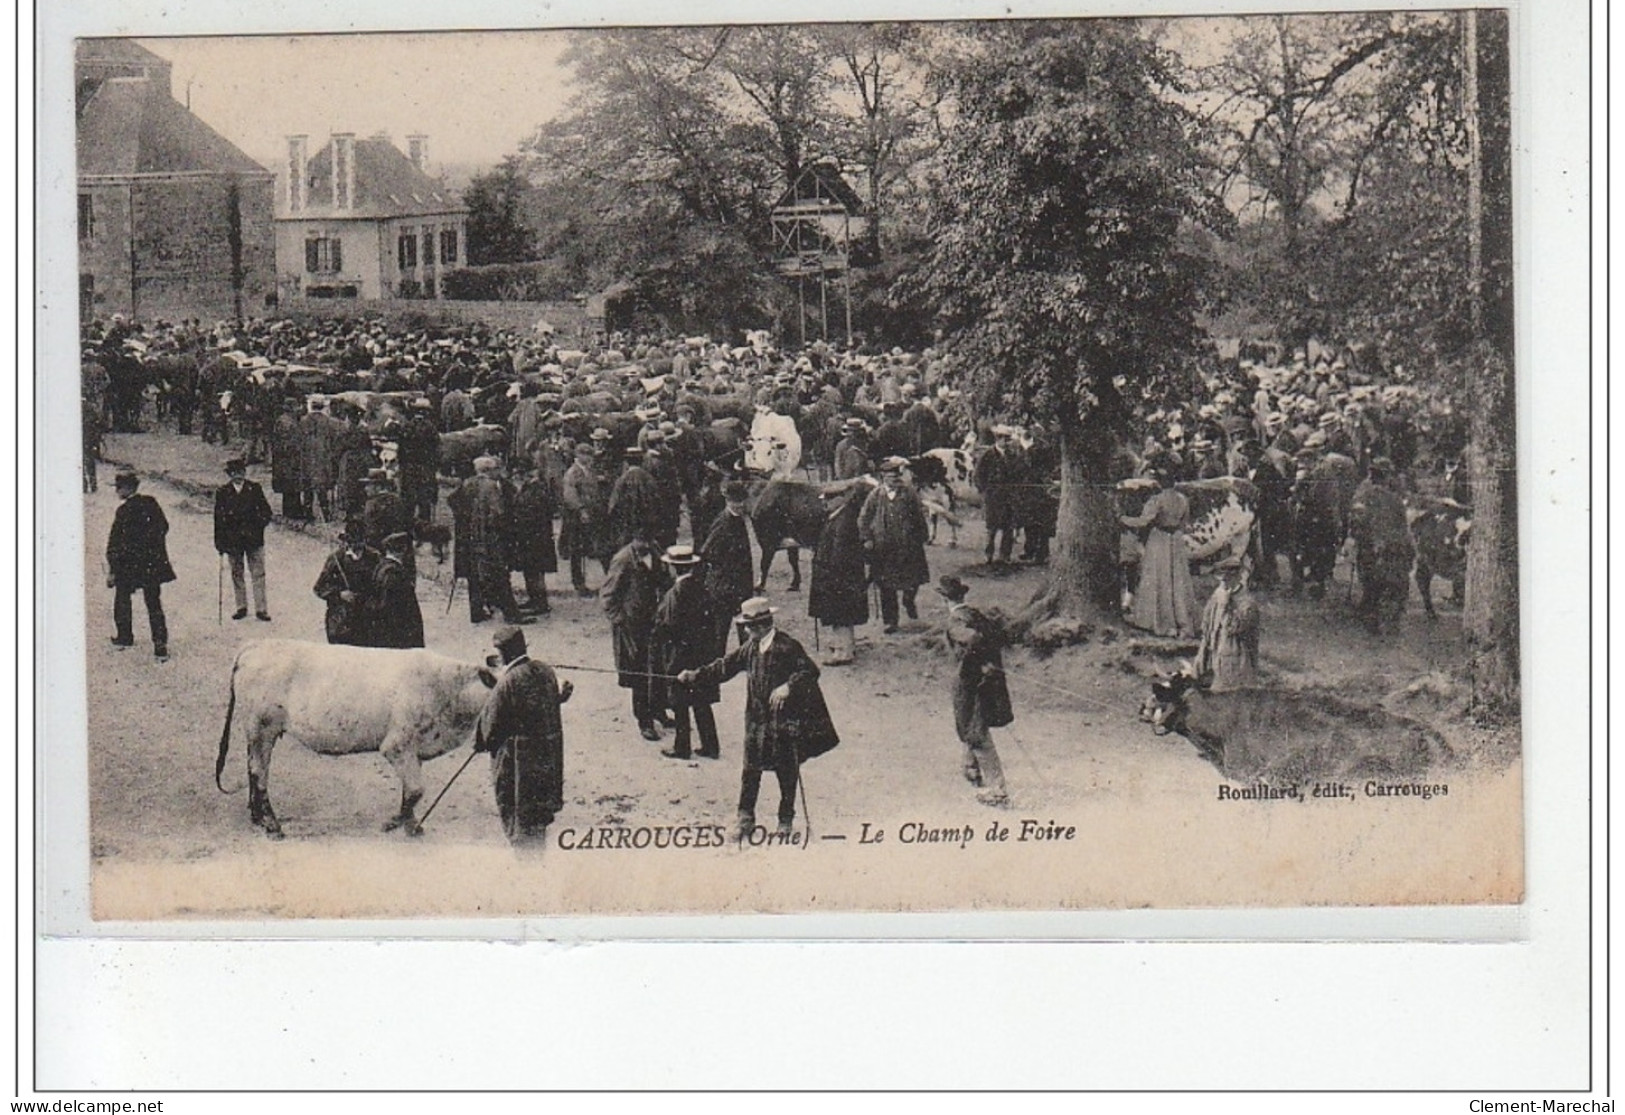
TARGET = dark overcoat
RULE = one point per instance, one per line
(981, 696)
(137, 554)
(631, 593)
(583, 529)
(634, 506)
(393, 616)
(240, 518)
(799, 731)
(839, 593)
(729, 576)
(520, 725)
(287, 456)
(683, 637)
(479, 509)
(345, 621)
(533, 549)
(894, 531)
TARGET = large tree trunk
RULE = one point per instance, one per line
(1490, 617)
(1083, 572)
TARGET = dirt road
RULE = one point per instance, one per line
(1148, 825)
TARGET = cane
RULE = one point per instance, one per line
(446, 787)
(220, 593)
(452, 595)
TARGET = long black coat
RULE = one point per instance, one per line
(393, 616)
(839, 593)
(894, 532)
(981, 695)
(240, 518)
(341, 571)
(634, 506)
(520, 725)
(137, 555)
(631, 593)
(533, 549)
(729, 576)
(801, 729)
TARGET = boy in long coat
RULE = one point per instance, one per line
(786, 719)
(682, 640)
(521, 727)
(893, 528)
(981, 696)
(631, 593)
(838, 597)
(138, 558)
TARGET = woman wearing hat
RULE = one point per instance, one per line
(683, 640)
(786, 719)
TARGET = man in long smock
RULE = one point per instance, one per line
(520, 726)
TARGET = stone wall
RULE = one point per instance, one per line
(568, 318)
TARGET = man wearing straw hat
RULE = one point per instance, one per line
(521, 727)
(683, 639)
(786, 719)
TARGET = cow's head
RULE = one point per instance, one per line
(1165, 708)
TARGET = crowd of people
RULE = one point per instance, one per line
(616, 458)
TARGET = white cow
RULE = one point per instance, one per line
(408, 705)
(775, 444)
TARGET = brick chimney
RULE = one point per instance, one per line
(343, 170)
(298, 158)
(418, 150)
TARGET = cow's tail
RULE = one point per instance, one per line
(225, 733)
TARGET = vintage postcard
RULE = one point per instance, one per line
(1023, 465)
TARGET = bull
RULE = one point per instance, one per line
(407, 705)
(1440, 529)
(1287, 737)
(788, 514)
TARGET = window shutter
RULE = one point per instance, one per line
(312, 257)
(338, 253)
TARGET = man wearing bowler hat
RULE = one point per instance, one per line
(241, 514)
(521, 727)
(138, 558)
(981, 697)
(786, 719)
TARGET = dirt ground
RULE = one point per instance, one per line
(1149, 824)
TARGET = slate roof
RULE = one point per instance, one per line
(386, 185)
(131, 126)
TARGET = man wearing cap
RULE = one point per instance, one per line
(1383, 553)
(288, 461)
(344, 582)
(999, 476)
(534, 555)
(729, 572)
(521, 727)
(893, 531)
(634, 502)
(318, 435)
(582, 528)
(480, 519)
(631, 594)
(981, 696)
(786, 719)
(138, 558)
(419, 457)
(852, 452)
(682, 640)
(392, 615)
(241, 515)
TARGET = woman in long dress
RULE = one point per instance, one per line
(1165, 600)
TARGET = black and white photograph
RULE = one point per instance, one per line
(1051, 464)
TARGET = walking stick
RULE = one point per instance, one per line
(446, 787)
(452, 595)
(220, 593)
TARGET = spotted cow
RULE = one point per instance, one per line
(1221, 522)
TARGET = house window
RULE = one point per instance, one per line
(87, 217)
(324, 255)
(448, 245)
(428, 247)
(407, 249)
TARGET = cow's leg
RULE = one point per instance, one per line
(1424, 585)
(794, 554)
(400, 748)
(264, 731)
